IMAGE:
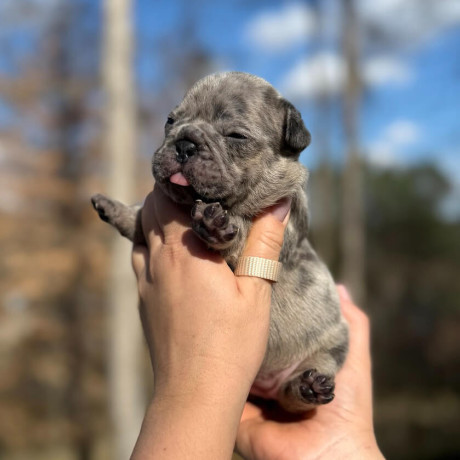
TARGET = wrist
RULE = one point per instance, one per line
(201, 395)
(202, 379)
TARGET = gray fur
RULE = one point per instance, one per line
(244, 176)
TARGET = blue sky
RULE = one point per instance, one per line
(411, 102)
(412, 98)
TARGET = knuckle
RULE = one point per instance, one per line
(171, 253)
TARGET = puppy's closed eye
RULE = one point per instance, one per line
(236, 135)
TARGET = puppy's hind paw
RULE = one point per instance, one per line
(212, 224)
(309, 390)
(316, 388)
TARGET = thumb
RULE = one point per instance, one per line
(139, 260)
(265, 238)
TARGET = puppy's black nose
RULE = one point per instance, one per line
(184, 150)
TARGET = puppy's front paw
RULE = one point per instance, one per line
(212, 224)
(105, 207)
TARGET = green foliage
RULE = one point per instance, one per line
(413, 279)
(402, 211)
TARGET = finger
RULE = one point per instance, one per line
(356, 372)
(265, 240)
(172, 218)
(174, 222)
(359, 327)
(150, 227)
(249, 419)
(168, 226)
(250, 411)
(140, 260)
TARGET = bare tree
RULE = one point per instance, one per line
(51, 96)
(126, 396)
(68, 111)
(352, 223)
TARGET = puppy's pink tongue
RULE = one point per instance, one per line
(179, 179)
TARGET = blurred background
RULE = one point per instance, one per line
(85, 89)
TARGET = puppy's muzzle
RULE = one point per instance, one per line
(184, 150)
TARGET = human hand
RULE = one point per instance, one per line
(342, 429)
(206, 329)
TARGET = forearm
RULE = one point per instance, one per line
(201, 427)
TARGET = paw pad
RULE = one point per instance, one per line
(211, 222)
(316, 388)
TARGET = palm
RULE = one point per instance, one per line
(269, 439)
(309, 436)
(266, 433)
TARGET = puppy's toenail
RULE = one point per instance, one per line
(210, 211)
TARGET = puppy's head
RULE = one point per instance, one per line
(233, 139)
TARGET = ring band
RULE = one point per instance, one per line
(259, 267)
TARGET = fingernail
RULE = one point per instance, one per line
(343, 293)
(281, 209)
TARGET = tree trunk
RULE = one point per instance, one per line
(353, 224)
(126, 395)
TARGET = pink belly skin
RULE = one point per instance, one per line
(267, 385)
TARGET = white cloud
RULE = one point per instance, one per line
(278, 30)
(387, 151)
(448, 12)
(411, 20)
(386, 70)
(379, 8)
(382, 155)
(324, 73)
(402, 132)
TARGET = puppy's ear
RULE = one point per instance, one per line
(296, 136)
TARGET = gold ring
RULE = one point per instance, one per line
(259, 267)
